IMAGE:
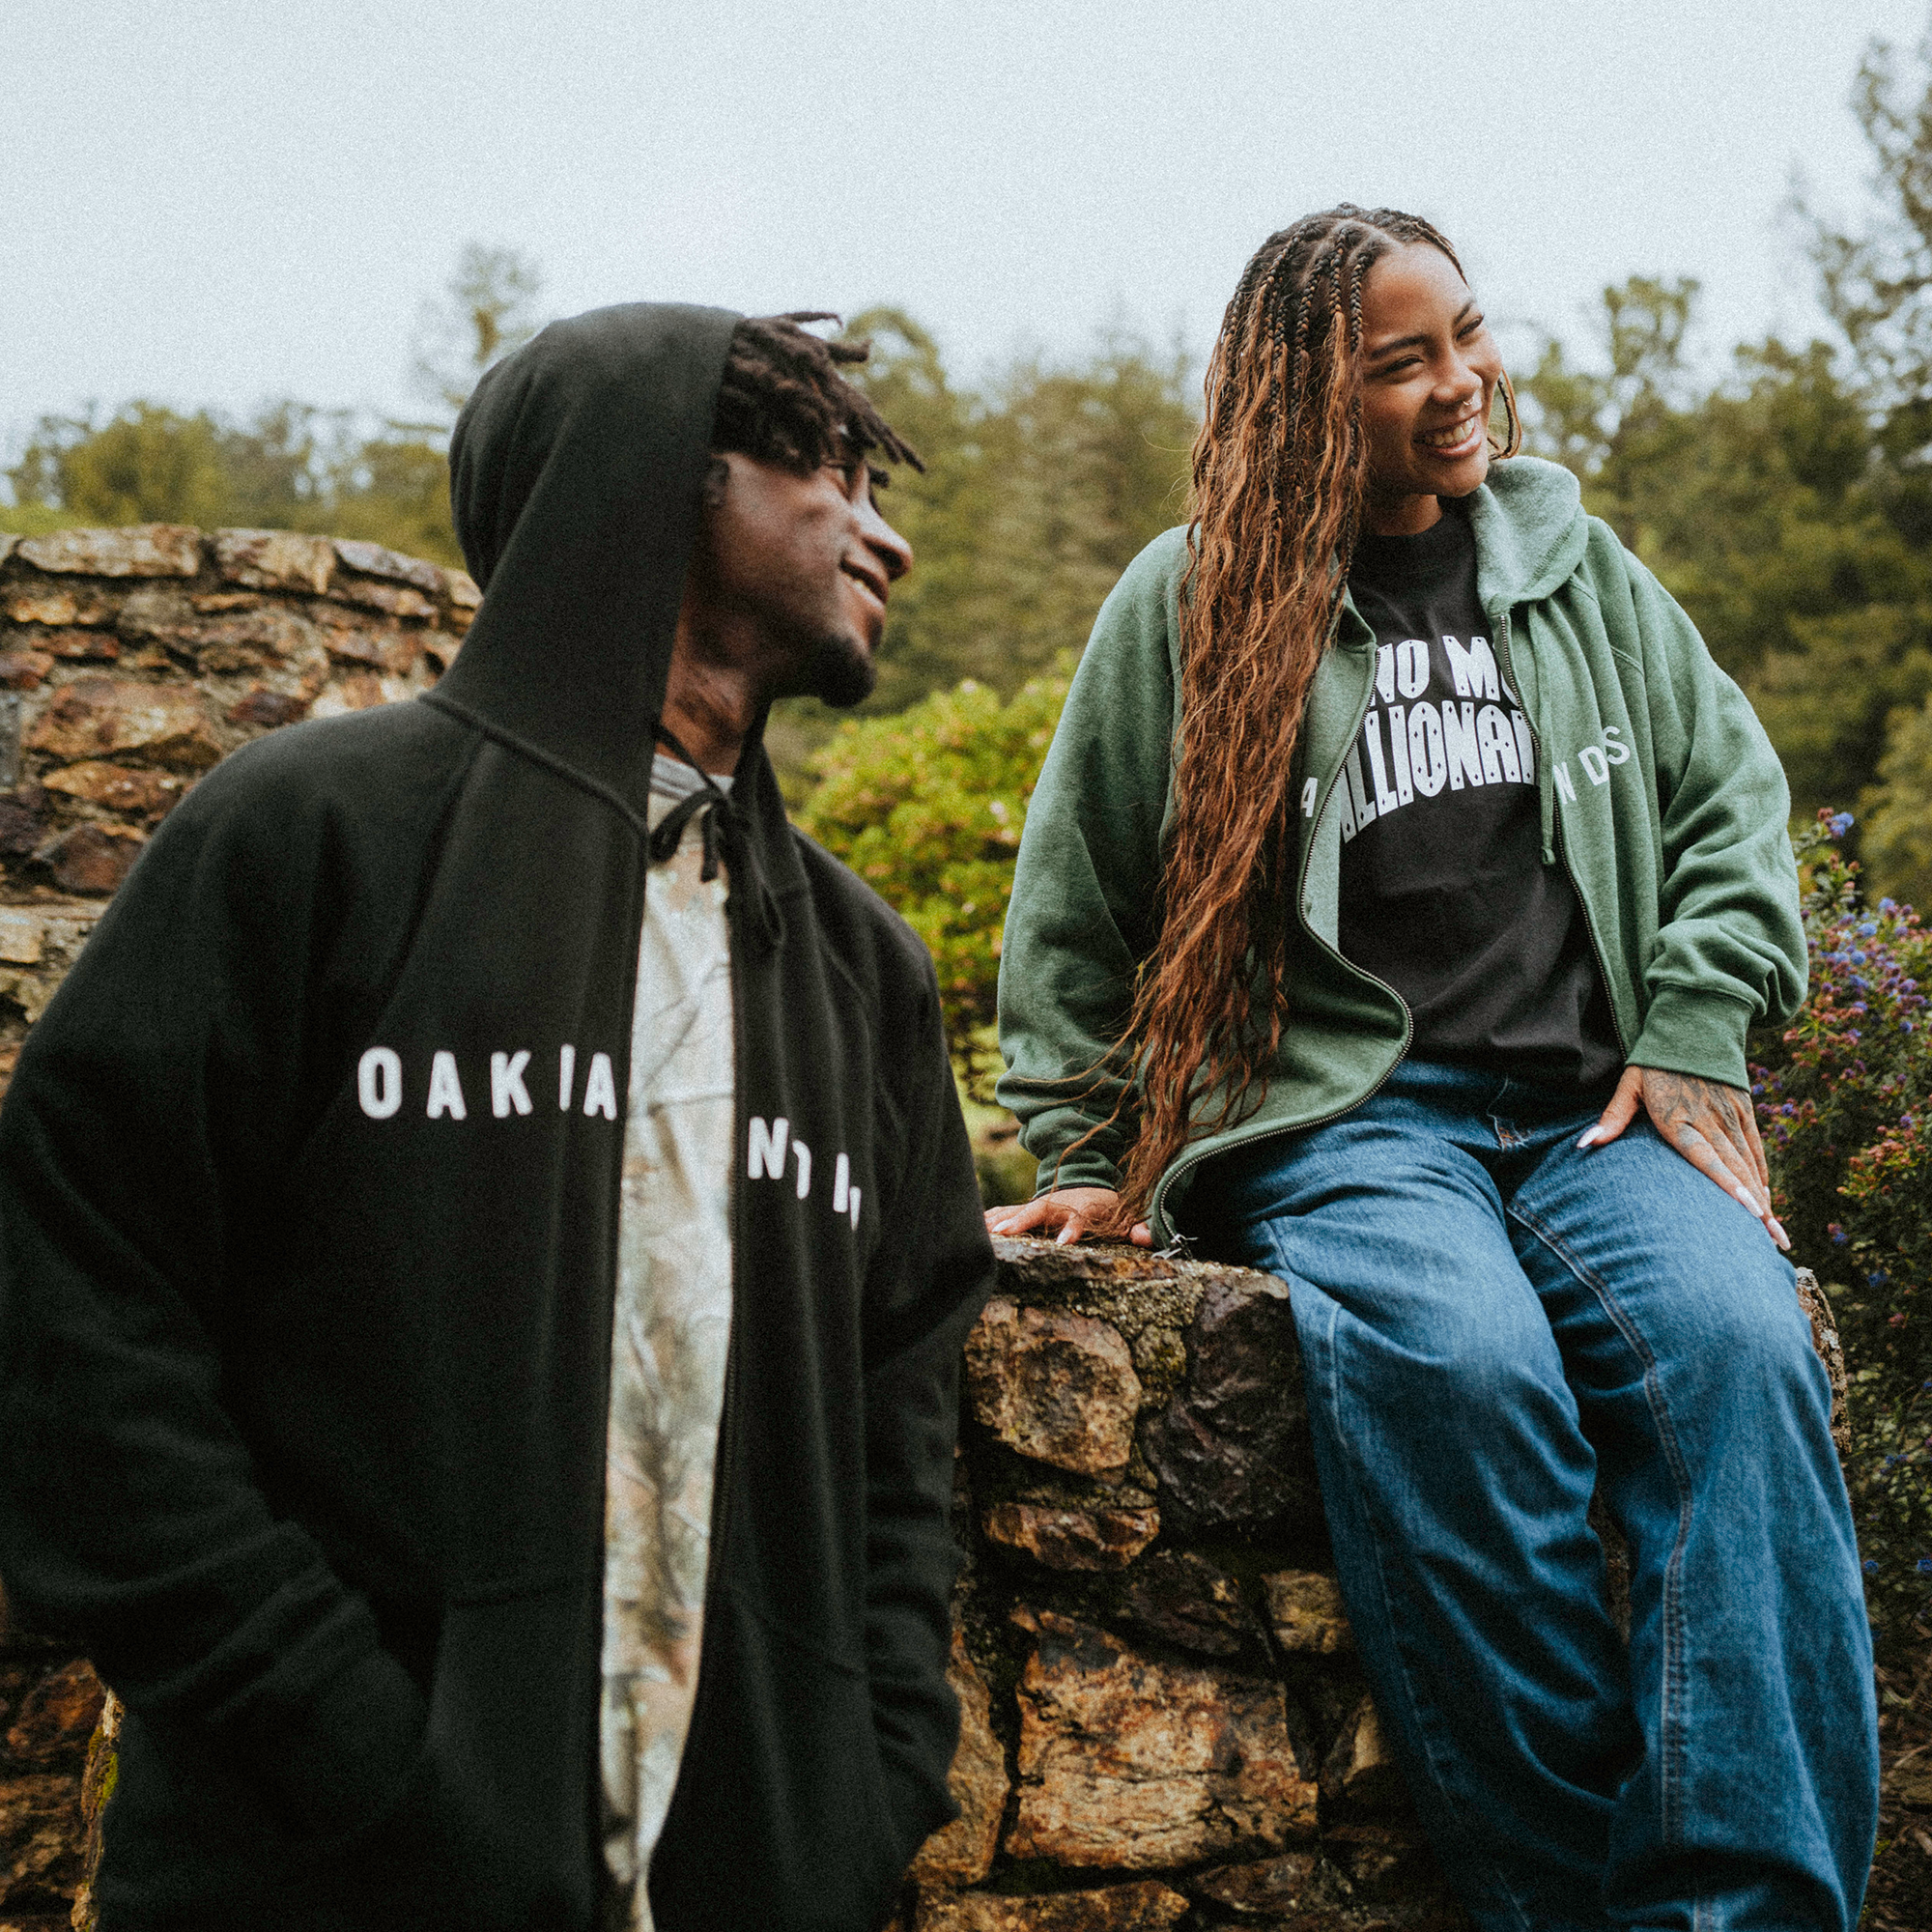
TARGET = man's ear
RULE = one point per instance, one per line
(717, 480)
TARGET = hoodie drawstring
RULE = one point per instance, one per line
(722, 829)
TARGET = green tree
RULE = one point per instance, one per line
(1039, 487)
(1620, 425)
(1765, 504)
(487, 309)
(1898, 809)
(142, 465)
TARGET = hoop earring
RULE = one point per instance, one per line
(1512, 443)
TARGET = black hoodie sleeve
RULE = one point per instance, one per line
(152, 1105)
(927, 1282)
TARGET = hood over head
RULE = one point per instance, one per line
(576, 476)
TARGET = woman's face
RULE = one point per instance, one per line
(1430, 368)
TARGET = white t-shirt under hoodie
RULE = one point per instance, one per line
(670, 1331)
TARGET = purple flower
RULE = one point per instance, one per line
(1870, 1566)
(1840, 823)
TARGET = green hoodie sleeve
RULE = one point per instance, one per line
(1082, 911)
(1729, 951)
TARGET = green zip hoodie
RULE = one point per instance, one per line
(1658, 792)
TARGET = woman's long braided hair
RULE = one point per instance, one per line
(1279, 479)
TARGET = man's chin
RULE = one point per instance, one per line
(840, 672)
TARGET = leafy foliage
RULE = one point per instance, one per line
(290, 465)
(1845, 1098)
(928, 808)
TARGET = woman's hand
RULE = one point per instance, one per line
(1712, 1125)
(1067, 1213)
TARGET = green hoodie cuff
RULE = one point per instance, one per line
(1697, 1033)
(1087, 1168)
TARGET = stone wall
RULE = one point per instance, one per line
(1164, 1724)
(132, 660)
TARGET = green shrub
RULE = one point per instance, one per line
(928, 807)
(1845, 1098)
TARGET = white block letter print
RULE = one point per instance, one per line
(379, 1082)
(766, 1155)
(1474, 670)
(1428, 762)
(506, 1084)
(1411, 667)
(803, 1155)
(445, 1089)
(600, 1088)
(566, 1077)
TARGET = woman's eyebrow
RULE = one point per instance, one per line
(1415, 341)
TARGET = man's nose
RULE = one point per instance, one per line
(886, 544)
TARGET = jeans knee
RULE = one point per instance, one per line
(1471, 1377)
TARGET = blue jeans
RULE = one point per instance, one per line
(1492, 1324)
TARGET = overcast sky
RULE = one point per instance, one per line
(216, 202)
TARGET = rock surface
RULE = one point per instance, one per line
(1232, 1444)
(1183, 1599)
(1073, 1539)
(1361, 1773)
(1057, 1388)
(140, 550)
(1306, 1611)
(1127, 1763)
(962, 1852)
(1145, 1907)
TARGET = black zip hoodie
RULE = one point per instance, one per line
(308, 1206)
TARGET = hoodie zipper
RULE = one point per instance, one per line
(1186, 1162)
(1500, 624)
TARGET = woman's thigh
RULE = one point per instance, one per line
(1675, 1313)
(1392, 1215)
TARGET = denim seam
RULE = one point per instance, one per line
(1331, 1396)
(1671, 1721)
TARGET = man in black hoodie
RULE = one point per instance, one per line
(317, 1199)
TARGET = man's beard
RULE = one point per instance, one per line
(839, 670)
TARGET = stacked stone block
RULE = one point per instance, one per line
(132, 660)
(1164, 1722)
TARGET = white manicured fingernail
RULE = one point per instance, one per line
(1590, 1138)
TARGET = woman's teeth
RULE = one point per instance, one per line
(1448, 439)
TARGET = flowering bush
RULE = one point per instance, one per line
(1844, 1100)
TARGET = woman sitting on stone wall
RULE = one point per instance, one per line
(1398, 890)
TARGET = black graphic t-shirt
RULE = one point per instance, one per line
(1444, 895)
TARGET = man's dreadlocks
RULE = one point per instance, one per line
(783, 400)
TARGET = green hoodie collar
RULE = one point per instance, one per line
(1530, 531)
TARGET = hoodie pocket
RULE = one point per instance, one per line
(779, 1818)
(492, 1832)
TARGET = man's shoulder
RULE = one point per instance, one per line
(869, 939)
(386, 764)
